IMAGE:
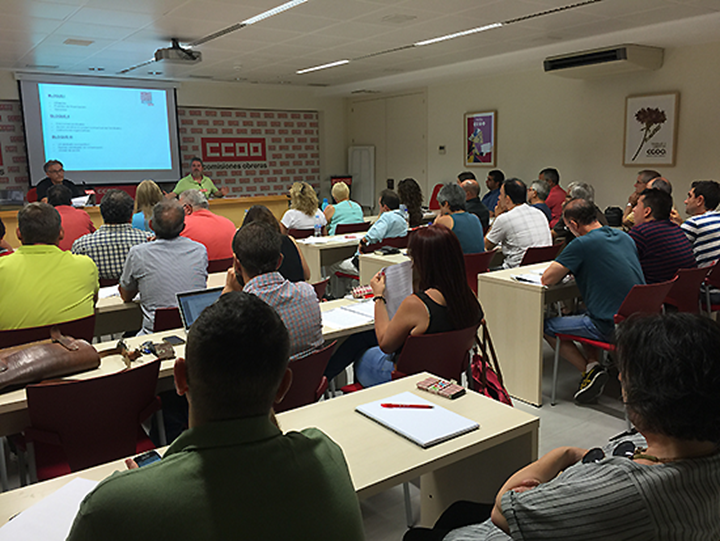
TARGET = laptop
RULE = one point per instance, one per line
(192, 303)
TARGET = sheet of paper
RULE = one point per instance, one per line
(529, 278)
(49, 519)
(110, 291)
(366, 308)
(337, 318)
(398, 285)
(314, 240)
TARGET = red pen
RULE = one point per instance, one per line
(413, 406)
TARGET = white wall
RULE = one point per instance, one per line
(577, 126)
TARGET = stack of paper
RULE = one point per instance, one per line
(352, 315)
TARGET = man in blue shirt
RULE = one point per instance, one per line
(493, 182)
(605, 264)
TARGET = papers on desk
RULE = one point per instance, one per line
(49, 519)
(532, 276)
(398, 285)
(314, 240)
(352, 315)
(110, 291)
(426, 427)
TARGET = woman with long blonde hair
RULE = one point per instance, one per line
(146, 196)
(303, 212)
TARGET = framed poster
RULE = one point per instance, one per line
(479, 133)
(651, 129)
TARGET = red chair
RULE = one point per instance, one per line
(301, 233)
(540, 254)
(167, 319)
(641, 299)
(79, 328)
(31, 195)
(107, 282)
(219, 265)
(685, 293)
(99, 420)
(477, 264)
(345, 229)
(434, 205)
(309, 381)
(320, 288)
(712, 280)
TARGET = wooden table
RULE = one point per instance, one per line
(371, 264)
(327, 250)
(471, 467)
(514, 312)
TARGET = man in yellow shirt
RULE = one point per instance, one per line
(39, 283)
(197, 180)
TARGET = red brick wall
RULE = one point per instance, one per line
(252, 152)
(13, 158)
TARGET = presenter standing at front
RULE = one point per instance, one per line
(196, 180)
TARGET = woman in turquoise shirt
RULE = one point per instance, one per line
(343, 211)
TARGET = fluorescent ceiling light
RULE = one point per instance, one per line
(458, 34)
(324, 66)
(273, 11)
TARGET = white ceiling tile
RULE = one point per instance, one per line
(117, 17)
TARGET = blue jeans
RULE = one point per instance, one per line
(580, 325)
(372, 366)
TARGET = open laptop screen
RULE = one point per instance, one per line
(192, 303)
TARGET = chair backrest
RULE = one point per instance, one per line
(477, 264)
(443, 354)
(31, 195)
(107, 282)
(309, 381)
(98, 419)
(219, 265)
(713, 275)
(434, 205)
(79, 328)
(644, 299)
(167, 319)
(395, 242)
(344, 229)
(320, 288)
(540, 254)
(685, 292)
(301, 233)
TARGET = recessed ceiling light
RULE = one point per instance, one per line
(96, 68)
(323, 66)
(78, 42)
(41, 66)
(154, 72)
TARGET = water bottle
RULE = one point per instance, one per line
(318, 226)
(405, 212)
(324, 204)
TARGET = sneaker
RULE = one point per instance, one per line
(591, 385)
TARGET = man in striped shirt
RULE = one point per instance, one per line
(703, 227)
(662, 247)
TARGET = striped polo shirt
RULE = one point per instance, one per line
(703, 232)
(663, 249)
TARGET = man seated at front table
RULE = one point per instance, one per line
(197, 180)
(75, 222)
(605, 265)
(662, 247)
(55, 177)
(39, 283)
(108, 247)
(257, 247)
(212, 231)
(517, 225)
(160, 269)
(233, 474)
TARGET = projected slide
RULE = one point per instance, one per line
(100, 128)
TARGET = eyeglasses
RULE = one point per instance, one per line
(625, 449)
(55, 171)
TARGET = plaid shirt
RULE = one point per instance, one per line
(297, 306)
(108, 247)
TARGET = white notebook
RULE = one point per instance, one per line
(426, 427)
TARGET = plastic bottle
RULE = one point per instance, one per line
(318, 226)
(405, 212)
(324, 204)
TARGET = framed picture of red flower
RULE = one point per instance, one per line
(479, 134)
(651, 129)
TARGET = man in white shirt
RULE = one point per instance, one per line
(517, 225)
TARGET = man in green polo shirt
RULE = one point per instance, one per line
(39, 283)
(233, 474)
(196, 180)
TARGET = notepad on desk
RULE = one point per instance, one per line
(425, 427)
(351, 315)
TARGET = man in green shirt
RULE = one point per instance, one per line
(233, 474)
(196, 180)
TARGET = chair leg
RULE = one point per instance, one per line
(3, 464)
(22, 468)
(331, 388)
(408, 505)
(32, 467)
(161, 427)
(555, 371)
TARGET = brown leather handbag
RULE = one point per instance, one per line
(59, 356)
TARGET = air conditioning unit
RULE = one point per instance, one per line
(606, 61)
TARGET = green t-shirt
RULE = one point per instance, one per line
(205, 185)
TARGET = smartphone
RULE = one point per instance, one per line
(174, 340)
(147, 458)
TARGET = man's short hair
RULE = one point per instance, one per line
(168, 219)
(116, 207)
(646, 175)
(471, 187)
(257, 247)
(670, 375)
(662, 184)
(196, 159)
(516, 190)
(236, 354)
(390, 199)
(659, 202)
(50, 163)
(453, 195)
(497, 176)
(466, 175)
(39, 223)
(59, 194)
(581, 211)
(195, 199)
(551, 175)
(542, 189)
(581, 190)
(710, 190)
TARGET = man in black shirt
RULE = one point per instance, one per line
(55, 175)
(473, 203)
